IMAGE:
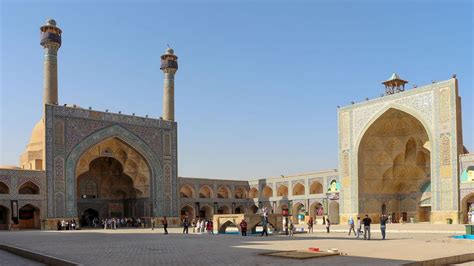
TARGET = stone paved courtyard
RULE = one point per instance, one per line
(146, 247)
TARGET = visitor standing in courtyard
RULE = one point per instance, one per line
(265, 228)
(193, 225)
(243, 227)
(165, 225)
(359, 227)
(383, 225)
(310, 225)
(209, 227)
(291, 228)
(203, 225)
(351, 226)
(367, 221)
(185, 225)
(328, 224)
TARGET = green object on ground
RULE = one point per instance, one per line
(469, 229)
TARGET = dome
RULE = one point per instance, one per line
(37, 135)
(169, 50)
(51, 22)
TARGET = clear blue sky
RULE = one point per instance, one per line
(258, 84)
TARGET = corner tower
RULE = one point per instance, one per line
(51, 41)
(169, 66)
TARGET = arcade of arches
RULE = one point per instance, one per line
(394, 165)
(113, 180)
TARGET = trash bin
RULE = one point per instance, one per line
(449, 221)
(469, 229)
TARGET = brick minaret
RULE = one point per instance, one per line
(169, 66)
(51, 41)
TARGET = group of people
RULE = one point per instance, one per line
(199, 225)
(202, 226)
(326, 222)
(67, 225)
(367, 222)
(114, 223)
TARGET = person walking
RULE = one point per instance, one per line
(351, 226)
(367, 222)
(328, 224)
(185, 225)
(152, 224)
(164, 222)
(359, 227)
(243, 227)
(310, 225)
(265, 228)
(383, 225)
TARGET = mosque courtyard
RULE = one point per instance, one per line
(405, 243)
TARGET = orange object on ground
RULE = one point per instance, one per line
(314, 249)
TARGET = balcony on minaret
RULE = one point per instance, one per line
(50, 33)
(394, 84)
(169, 60)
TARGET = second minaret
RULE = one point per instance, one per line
(51, 41)
(169, 66)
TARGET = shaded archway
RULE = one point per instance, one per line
(316, 209)
(186, 191)
(333, 213)
(223, 192)
(253, 209)
(253, 193)
(205, 192)
(4, 217)
(116, 190)
(282, 191)
(393, 158)
(316, 188)
(240, 193)
(187, 211)
(228, 227)
(93, 146)
(90, 217)
(298, 211)
(29, 217)
(4, 189)
(467, 208)
(298, 189)
(267, 192)
(29, 188)
(206, 212)
(224, 209)
(240, 209)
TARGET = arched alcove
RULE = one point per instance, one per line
(393, 162)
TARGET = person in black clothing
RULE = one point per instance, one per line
(185, 225)
(164, 222)
(265, 228)
(383, 225)
(367, 222)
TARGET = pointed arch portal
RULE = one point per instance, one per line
(393, 163)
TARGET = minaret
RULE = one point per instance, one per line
(169, 66)
(51, 41)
